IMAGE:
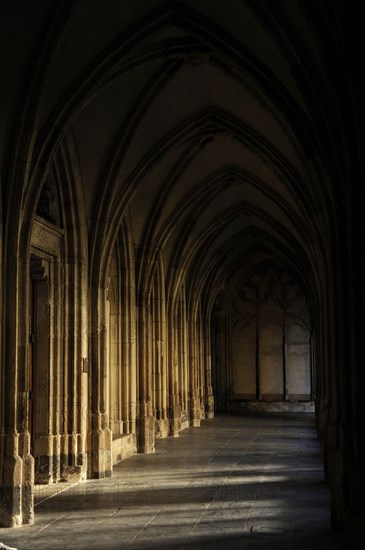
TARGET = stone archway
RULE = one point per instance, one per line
(264, 343)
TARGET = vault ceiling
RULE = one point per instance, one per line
(198, 120)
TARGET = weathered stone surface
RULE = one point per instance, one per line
(123, 447)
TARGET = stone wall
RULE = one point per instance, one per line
(269, 334)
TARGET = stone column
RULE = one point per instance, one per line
(146, 420)
(100, 436)
(159, 351)
(195, 413)
(209, 396)
(17, 465)
(174, 399)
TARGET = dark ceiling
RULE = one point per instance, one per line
(213, 127)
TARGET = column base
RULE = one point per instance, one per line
(209, 406)
(17, 482)
(146, 434)
(195, 413)
(162, 428)
(175, 420)
(100, 454)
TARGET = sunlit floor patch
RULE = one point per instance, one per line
(249, 483)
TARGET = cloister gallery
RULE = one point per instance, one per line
(182, 230)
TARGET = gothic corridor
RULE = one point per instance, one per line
(182, 272)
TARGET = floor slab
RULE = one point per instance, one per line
(249, 481)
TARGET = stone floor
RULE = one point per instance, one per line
(248, 482)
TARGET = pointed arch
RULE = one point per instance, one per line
(50, 274)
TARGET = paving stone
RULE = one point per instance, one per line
(263, 494)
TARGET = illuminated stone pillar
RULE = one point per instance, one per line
(175, 413)
(100, 435)
(146, 420)
(195, 411)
